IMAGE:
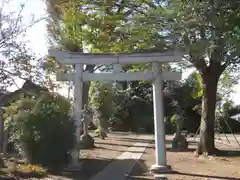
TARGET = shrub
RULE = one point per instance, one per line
(23, 171)
(55, 131)
(45, 136)
(28, 171)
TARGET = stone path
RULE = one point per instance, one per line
(123, 165)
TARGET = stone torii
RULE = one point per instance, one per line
(81, 59)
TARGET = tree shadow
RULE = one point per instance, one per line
(89, 167)
(192, 145)
(96, 167)
(228, 153)
(139, 178)
(122, 151)
(180, 150)
(150, 141)
(140, 172)
(114, 144)
(204, 176)
(167, 142)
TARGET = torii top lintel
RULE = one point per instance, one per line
(113, 58)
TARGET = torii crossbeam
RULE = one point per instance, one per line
(80, 59)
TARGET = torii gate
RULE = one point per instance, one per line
(80, 59)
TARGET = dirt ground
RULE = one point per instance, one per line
(106, 151)
(188, 167)
(184, 164)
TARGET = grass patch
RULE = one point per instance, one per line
(25, 171)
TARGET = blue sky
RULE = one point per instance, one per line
(37, 34)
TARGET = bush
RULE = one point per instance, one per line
(46, 136)
(28, 171)
(23, 171)
(56, 136)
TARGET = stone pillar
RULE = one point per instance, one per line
(78, 89)
(160, 148)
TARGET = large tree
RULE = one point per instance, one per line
(102, 26)
(17, 62)
(209, 32)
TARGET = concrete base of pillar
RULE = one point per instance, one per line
(160, 169)
(160, 177)
(75, 166)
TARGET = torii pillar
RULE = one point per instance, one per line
(78, 59)
(158, 108)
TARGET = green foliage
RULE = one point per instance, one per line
(30, 171)
(228, 79)
(173, 118)
(208, 31)
(44, 135)
(101, 101)
(55, 136)
(198, 90)
(24, 171)
(105, 26)
(17, 61)
(179, 102)
(110, 26)
(224, 121)
(97, 132)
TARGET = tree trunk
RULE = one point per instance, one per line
(5, 141)
(86, 85)
(1, 133)
(206, 145)
(179, 125)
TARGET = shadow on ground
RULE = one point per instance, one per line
(151, 141)
(118, 150)
(191, 143)
(168, 144)
(204, 176)
(91, 167)
(191, 147)
(228, 153)
(140, 172)
(114, 144)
